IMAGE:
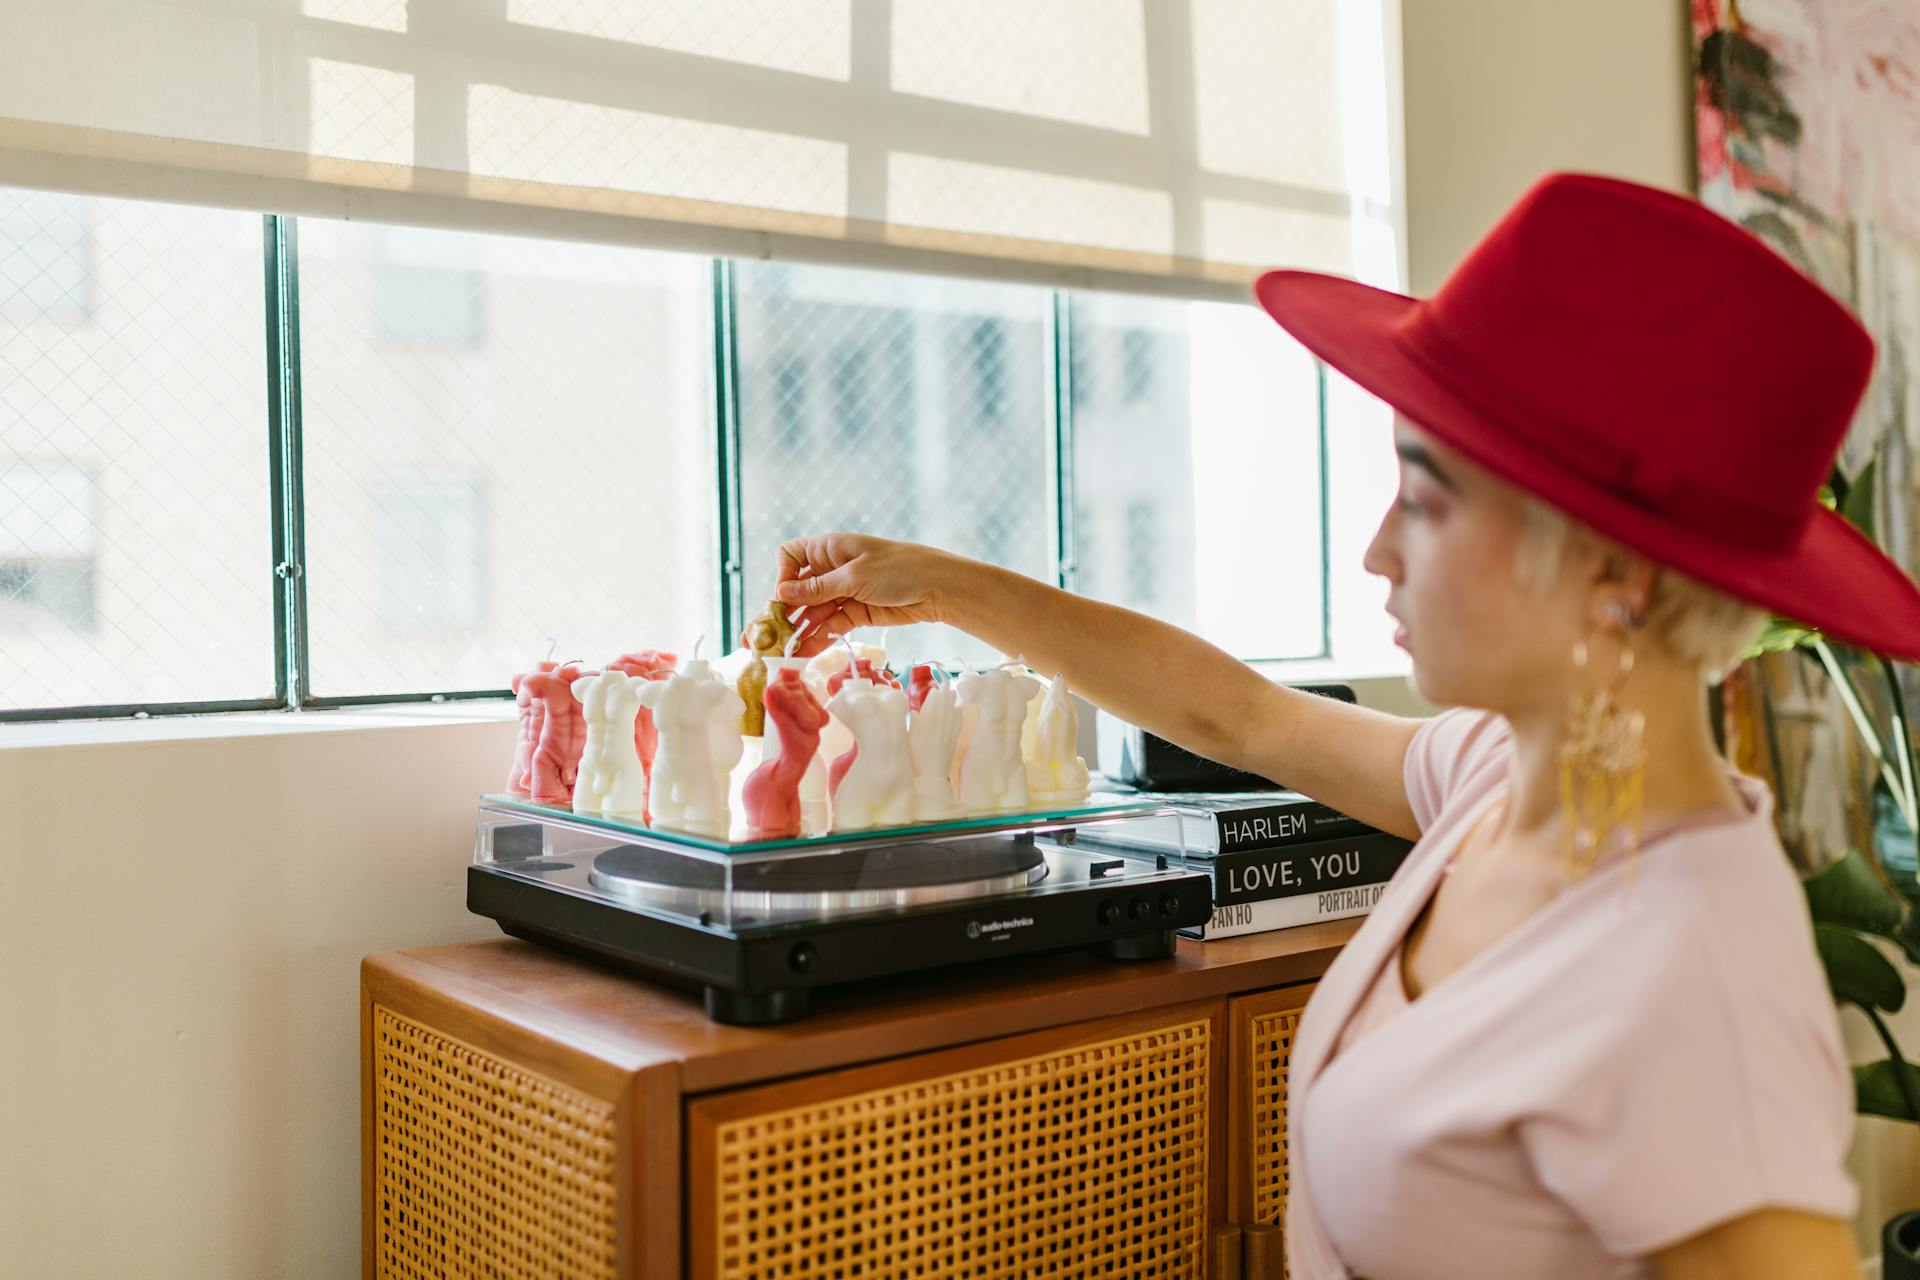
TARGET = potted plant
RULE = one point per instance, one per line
(1874, 895)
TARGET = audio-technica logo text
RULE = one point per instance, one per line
(996, 928)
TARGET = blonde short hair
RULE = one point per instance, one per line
(1695, 623)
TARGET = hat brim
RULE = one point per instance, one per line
(1833, 578)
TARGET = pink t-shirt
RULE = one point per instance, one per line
(1624, 1069)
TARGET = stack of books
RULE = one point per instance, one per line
(1279, 859)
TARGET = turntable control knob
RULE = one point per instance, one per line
(1169, 905)
(1109, 911)
(800, 959)
(1140, 908)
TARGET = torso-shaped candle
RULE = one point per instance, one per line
(520, 776)
(652, 664)
(932, 734)
(698, 719)
(766, 637)
(560, 732)
(992, 778)
(612, 779)
(1056, 775)
(875, 788)
(795, 717)
(826, 671)
(920, 683)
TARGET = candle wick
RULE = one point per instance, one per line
(552, 644)
(696, 648)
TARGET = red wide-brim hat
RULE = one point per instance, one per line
(1649, 368)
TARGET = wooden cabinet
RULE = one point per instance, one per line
(1260, 1030)
(528, 1114)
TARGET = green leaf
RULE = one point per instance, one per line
(1856, 970)
(1780, 636)
(1908, 936)
(1876, 1091)
(1846, 892)
(1857, 508)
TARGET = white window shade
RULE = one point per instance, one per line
(1167, 145)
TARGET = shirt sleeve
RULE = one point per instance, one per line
(1452, 758)
(1723, 1099)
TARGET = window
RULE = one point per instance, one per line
(1197, 489)
(1142, 541)
(466, 505)
(944, 472)
(46, 256)
(988, 348)
(790, 404)
(429, 537)
(49, 520)
(509, 446)
(1138, 352)
(136, 548)
(426, 288)
(853, 396)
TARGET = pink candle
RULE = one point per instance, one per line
(654, 664)
(519, 777)
(559, 734)
(919, 685)
(795, 718)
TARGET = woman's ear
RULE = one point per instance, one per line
(1625, 580)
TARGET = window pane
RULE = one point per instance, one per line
(508, 442)
(135, 543)
(1197, 471)
(905, 406)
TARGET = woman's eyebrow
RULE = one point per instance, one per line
(1418, 455)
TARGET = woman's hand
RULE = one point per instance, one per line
(834, 582)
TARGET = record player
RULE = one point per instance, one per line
(759, 925)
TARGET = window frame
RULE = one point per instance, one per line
(292, 689)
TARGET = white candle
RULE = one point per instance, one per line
(1056, 775)
(991, 775)
(612, 779)
(877, 788)
(698, 719)
(933, 733)
(835, 739)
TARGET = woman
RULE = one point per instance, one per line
(1584, 1032)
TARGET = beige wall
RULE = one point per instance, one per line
(180, 928)
(1498, 92)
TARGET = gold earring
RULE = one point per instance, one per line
(1602, 765)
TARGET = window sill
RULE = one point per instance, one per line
(251, 724)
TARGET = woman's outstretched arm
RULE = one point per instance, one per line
(1149, 673)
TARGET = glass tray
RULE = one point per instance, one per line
(1099, 806)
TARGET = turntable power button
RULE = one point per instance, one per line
(800, 959)
(1140, 908)
(1109, 911)
(1169, 905)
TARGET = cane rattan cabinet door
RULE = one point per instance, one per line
(1088, 1150)
(477, 1165)
(1260, 1046)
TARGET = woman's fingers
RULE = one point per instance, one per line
(819, 588)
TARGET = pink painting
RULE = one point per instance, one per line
(1807, 117)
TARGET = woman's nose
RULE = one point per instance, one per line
(1381, 558)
